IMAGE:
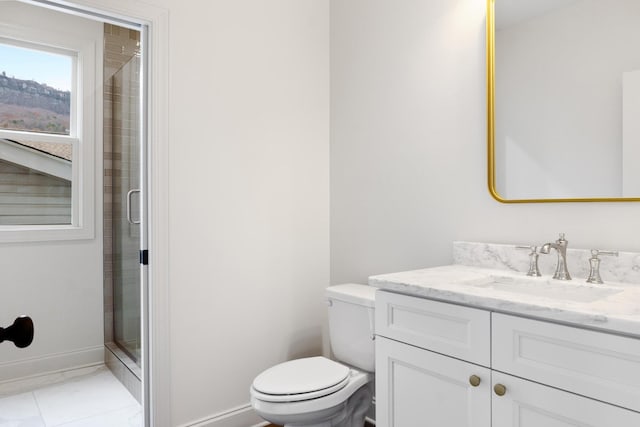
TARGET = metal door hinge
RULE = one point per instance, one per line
(144, 257)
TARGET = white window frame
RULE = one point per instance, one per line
(84, 136)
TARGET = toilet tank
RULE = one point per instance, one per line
(351, 324)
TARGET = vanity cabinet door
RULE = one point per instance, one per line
(529, 404)
(418, 387)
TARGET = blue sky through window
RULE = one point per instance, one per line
(44, 67)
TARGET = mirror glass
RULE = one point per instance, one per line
(564, 93)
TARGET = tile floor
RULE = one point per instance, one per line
(95, 399)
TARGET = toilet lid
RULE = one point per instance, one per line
(316, 375)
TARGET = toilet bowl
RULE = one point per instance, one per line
(317, 391)
(329, 399)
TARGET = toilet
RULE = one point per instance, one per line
(320, 392)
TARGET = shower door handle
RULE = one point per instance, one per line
(21, 332)
(129, 194)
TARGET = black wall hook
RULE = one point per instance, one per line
(21, 332)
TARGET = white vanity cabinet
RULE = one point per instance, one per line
(437, 364)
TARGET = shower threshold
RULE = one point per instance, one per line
(124, 368)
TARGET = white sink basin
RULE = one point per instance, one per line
(547, 288)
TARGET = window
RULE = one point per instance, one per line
(36, 95)
(47, 134)
(36, 159)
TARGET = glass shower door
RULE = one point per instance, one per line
(127, 212)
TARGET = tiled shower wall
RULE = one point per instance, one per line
(120, 45)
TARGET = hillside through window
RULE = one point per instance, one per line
(35, 90)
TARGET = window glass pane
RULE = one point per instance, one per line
(35, 90)
(35, 183)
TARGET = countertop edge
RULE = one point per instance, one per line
(618, 325)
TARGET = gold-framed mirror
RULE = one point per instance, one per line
(563, 100)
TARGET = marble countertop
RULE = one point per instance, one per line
(612, 307)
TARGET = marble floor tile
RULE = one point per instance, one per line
(127, 417)
(20, 410)
(23, 385)
(83, 397)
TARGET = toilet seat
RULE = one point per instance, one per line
(310, 409)
(301, 379)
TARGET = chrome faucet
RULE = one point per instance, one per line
(562, 273)
(534, 271)
(594, 264)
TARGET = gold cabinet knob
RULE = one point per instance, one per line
(500, 389)
(474, 380)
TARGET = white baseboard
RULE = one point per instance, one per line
(36, 366)
(28, 384)
(241, 416)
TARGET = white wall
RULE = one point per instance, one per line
(249, 196)
(408, 148)
(559, 100)
(59, 283)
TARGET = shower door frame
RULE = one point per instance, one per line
(154, 23)
(128, 230)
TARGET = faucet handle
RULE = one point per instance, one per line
(533, 260)
(594, 265)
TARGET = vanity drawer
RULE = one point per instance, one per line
(456, 331)
(594, 364)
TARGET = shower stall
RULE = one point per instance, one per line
(123, 219)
